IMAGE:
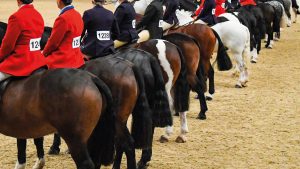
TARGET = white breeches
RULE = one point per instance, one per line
(143, 36)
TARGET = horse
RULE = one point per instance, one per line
(236, 38)
(209, 41)
(191, 53)
(171, 67)
(72, 102)
(272, 17)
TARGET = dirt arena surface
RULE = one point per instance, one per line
(253, 127)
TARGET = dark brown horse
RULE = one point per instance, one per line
(64, 100)
(172, 65)
(209, 41)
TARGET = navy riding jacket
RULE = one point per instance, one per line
(170, 14)
(100, 30)
(125, 15)
(208, 12)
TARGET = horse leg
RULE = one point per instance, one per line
(241, 65)
(79, 153)
(21, 145)
(40, 163)
(124, 143)
(146, 156)
(168, 132)
(203, 106)
(54, 149)
(211, 82)
(184, 128)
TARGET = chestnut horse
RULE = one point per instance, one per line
(207, 39)
(64, 100)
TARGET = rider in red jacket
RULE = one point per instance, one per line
(220, 7)
(63, 47)
(20, 51)
(247, 2)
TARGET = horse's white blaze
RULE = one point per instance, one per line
(20, 166)
(161, 47)
(183, 122)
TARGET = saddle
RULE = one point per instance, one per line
(6, 82)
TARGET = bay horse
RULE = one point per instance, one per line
(128, 90)
(208, 39)
(72, 102)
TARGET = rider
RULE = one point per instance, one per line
(62, 49)
(152, 22)
(100, 29)
(170, 18)
(125, 15)
(220, 7)
(20, 51)
(207, 12)
(248, 4)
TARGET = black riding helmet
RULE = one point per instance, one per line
(27, 1)
(67, 2)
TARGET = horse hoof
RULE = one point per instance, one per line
(20, 166)
(238, 86)
(244, 84)
(201, 117)
(253, 61)
(181, 139)
(208, 98)
(163, 139)
(142, 165)
(53, 151)
(39, 164)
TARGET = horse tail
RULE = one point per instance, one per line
(162, 115)
(141, 129)
(284, 17)
(223, 60)
(182, 88)
(102, 141)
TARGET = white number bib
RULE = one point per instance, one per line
(76, 42)
(213, 11)
(223, 5)
(34, 44)
(103, 35)
(160, 23)
(133, 23)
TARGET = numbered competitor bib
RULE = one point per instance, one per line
(103, 35)
(133, 23)
(76, 42)
(213, 11)
(160, 23)
(34, 44)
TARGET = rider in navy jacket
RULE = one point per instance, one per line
(152, 21)
(170, 13)
(100, 29)
(207, 14)
(125, 15)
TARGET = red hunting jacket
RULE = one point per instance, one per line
(63, 47)
(20, 50)
(247, 2)
(220, 7)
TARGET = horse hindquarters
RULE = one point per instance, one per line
(102, 141)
